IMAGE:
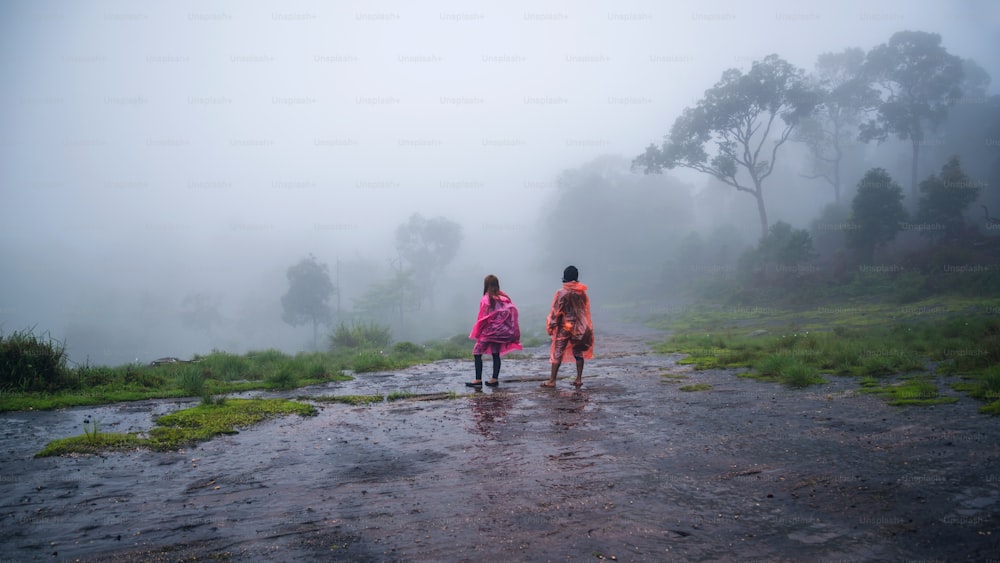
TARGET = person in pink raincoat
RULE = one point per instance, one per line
(570, 327)
(496, 330)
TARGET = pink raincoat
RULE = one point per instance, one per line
(497, 324)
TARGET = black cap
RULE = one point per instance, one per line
(571, 274)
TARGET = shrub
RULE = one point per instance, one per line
(799, 374)
(311, 366)
(774, 365)
(361, 336)
(284, 378)
(87, 376)
(32, 363)
(988, 387)
(879, 365)
(789, 369)
(370, 360)
(227, 367)
(192, 381)
(407, 349)
(263, 362)
(210, 399)
(458, 346)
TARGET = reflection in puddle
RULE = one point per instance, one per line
(488, 409)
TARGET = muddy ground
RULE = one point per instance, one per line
(627, 468)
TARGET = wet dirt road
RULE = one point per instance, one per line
(628, 468)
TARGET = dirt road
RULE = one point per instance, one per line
(628, 468)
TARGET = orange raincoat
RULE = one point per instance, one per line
(569, 319)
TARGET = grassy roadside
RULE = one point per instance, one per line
(895, 351)
(36, 376)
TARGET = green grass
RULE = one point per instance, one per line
(696, 387)
(914, 391)
(182, 428)
(399, 395)
(355, 400)
(874, 341)
(215, 374)
(32, 363)
(984, 386)
(361, 336)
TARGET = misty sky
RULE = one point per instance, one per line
(153, 149)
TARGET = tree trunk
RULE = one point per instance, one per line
(759, 196)
(913, 173)
(838, 155)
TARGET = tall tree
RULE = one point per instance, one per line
(388, 300)
(784, 249)
(428, 246)
(200, 311)
(630, 217)
(844, 98)
(877, 213)
(786, 246)
(747, 117)
(944, 199)
(972, 131)
(920, 81)
(309, 290)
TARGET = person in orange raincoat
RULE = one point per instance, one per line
(570, 327)
(496, 330)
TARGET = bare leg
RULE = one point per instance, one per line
(552, 376)
(579, 372)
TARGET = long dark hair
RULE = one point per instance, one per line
(491, 287)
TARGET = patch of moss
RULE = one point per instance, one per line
(184, 427)
(673, 377)
(358, 400)
(696, 387)
(348, 399)
(700, 362)
(92, 444)
(991, 408)
(914, 391)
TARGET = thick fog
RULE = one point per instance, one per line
(163, 164)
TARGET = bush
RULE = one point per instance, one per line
(192, 381)
(361, 336)
(988, 387)
(799, 374)
(371, 360)
(878, 365)
(32, 363)
(792, 370)
(774, 365)
(458, 346)
(407, 349)
(311, 366)
(284, 378)
(87, 376)
(227, 367)
(263, 362)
